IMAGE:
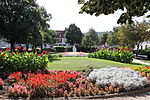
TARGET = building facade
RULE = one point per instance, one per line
(60, 38)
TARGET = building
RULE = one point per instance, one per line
(4, 44)
(60, 38)
(143, 45)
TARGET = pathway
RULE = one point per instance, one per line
(139, 61)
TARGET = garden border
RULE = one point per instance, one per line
(85, 97)
(113, 95)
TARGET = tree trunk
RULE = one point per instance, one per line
(27, 47)
(12, 45)
(138, 45)
(41, 47)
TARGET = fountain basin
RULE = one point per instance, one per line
(74, 54)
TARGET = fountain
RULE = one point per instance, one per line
(74, 53)
(74, 48)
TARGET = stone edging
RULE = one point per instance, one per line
(87, 97)
(113, 95)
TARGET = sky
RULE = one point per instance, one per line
(66, 12)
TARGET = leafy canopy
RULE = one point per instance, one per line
(132, 7)
(90, 38)
(73, 34)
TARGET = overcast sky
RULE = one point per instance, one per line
(66, 12)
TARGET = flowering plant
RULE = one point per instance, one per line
(12, 62)
(1, 83)
(125, 77)
(41, 85)
(18, 90)
(121, 55)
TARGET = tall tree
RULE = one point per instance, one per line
(132, 7)
(21, 19)
(103, 38)
(73, 34)
(48, 37)
(135, 33)
(90, 38)
(113, 37)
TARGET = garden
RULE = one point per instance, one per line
(33, 75)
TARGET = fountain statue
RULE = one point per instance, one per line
(74, 48)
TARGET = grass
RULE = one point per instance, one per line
(146, 61)
(80, 63)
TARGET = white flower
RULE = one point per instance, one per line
(127, 78)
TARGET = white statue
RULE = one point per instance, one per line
(74, 48)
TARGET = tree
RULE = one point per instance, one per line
(21, 20)
(73, 34)
(90, 38)
(113, 37)
(135, 33)
(103, 38)
(132, 7)
(48, 36)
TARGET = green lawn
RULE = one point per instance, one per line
(80, 63)
(146, 61)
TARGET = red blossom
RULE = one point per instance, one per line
(24, 49)
(39, 54)
(7, 49)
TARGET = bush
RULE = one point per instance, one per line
(120, 56)
(127, 78)
(54, 56)
(60, 49)
(12, 62)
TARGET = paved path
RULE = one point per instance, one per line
(141, 62)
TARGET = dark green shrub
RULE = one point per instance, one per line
(60, 49)
(52, 57)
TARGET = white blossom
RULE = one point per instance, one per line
(127, 78)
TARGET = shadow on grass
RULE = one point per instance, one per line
(51, 60)
(133, 63)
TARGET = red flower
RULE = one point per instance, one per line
(7, 49)
(39, 55)
(18, 47)
(24, 49)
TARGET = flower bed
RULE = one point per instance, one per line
(74, 54)
(71, 83)
(119, 55)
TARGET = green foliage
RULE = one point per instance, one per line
(90, 38)
(113, 37)
(60, 49)
(133, 8)
(48, 36)
(119, 56)
(12, 62)
(52, 57)
(21, 21)
(134, 34)
(103, 38)
(79, 49)
(73, 34)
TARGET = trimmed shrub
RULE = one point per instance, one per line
(60, 49)
(119, 56)
(127, 78)
(12, 62)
